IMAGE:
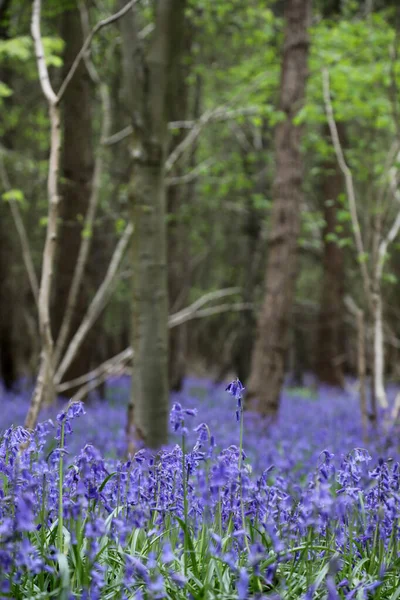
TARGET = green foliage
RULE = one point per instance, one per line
(5, 91)
(21, 49)
(13, 195)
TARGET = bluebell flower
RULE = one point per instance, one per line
(235, 389)
(243, 584)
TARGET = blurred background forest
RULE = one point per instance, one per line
(249, 152)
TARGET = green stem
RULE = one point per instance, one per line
(185, 505)
(60, 492)
(240, 475)
(241, 437)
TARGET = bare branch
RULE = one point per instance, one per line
(96, 305)
(218, 309)
(191, 175)
(90, 386)
(183, 315)
(119, 136)
(383, 246)
(88, 41)
(349, 184)
(94, 378)
(217, 114)
(124, 356)
(221, 113)
(40, 57)
(44, 379)
(359, 315)
(23, 236)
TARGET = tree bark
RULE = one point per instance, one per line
(77, 171)
(147, 78)
(8, 367)
(328, 365)
(268, 358)
(252, 269)
(44, 379)
(177, 232)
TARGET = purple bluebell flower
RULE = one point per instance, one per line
(235, 388)
(243, 584)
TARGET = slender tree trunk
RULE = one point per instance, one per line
(148, 76)
(269, 352)
(328, 365)
(252, 228)
(77, 171)
(44, 380)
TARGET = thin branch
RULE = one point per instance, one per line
(87, 43)
(44, 379)
(94, 378)
(23, 237)
(191, 175)
(123, 356)
(220, 308)
(95, 383)
(219, 113)
(349, 184)
(383, 246)
(96, 305)
(396, 409)
(119, 136)
(186, 313)
(40, 57)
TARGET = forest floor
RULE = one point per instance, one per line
(311, 419)
(309, 512)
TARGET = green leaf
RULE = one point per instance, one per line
(390, 278)
(362, 257)
(5, 91)
(15, 195)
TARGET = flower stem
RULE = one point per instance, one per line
(60, 492)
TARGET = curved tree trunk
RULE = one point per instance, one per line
(77, 170)
(268, 358)
(329, 366)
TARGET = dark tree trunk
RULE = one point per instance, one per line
(8, 359)
(329, 348)
(148, 76)
(268, 358)
(177, 233)
(8, 367)
(252, 227)
(77, 170)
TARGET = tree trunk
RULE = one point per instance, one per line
(269, 352)
(177, 233)
(328, 365)
(77, 171)
(252, 229)
(147, 79)
(8, 368)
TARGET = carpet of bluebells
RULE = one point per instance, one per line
(301, 509)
